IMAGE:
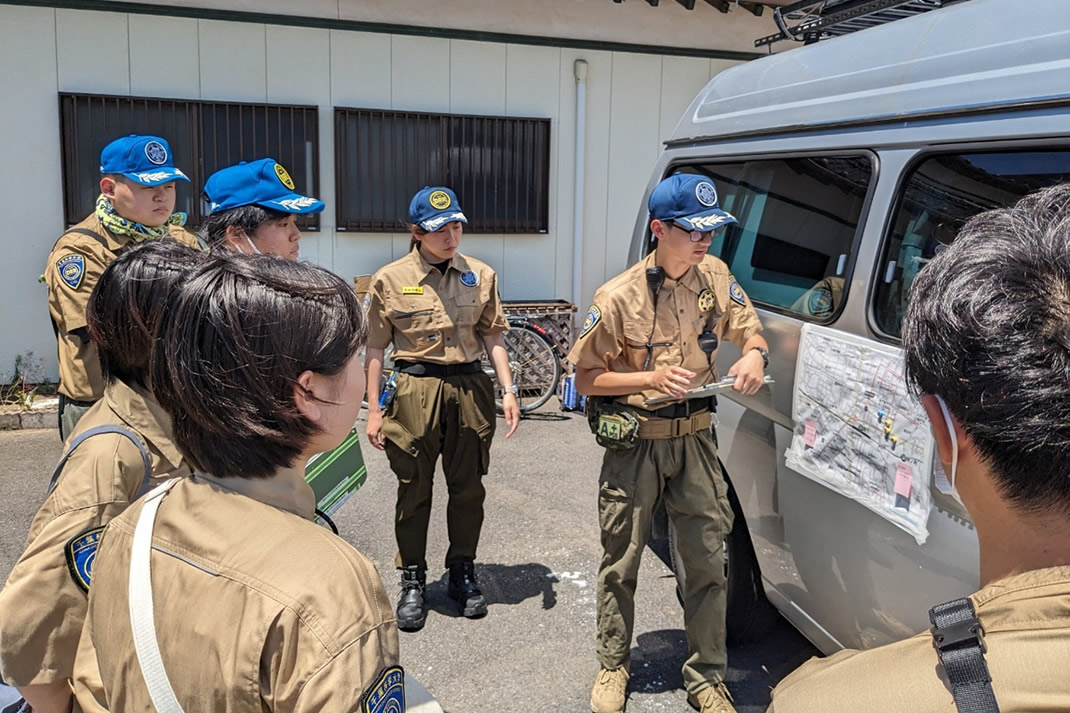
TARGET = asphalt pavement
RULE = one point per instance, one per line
(538, 563)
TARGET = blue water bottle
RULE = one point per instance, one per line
(389, 389)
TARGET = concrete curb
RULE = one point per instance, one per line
(29, 419)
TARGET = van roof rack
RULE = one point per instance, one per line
(820, 19)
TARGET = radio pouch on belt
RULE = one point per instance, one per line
(613, 424)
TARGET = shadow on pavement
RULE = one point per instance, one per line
(501, 584)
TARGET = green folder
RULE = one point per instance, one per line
(336, 475)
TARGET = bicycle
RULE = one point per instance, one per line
(534, 360)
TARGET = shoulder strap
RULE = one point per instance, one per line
(96, 431)
(142, 618)
(958, 638)
(83, 231)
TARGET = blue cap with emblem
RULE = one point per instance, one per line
(263, 182)
(143, 159)
(689, 200)
(435, 206)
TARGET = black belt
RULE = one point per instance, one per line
(426, 368)
(686, 409)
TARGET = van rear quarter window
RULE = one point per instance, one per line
(798, 218)
(938, 195)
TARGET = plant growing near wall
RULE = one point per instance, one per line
(29, 372)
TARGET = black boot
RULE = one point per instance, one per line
(412, 611)
(464, 590)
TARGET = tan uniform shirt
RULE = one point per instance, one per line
(617, 327)
(74, 266)
(41, 606)
(1027, 624)
(257, 607)
(434, 317)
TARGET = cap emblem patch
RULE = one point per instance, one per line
(469, 279)
(155, 152)
(439, 200)
(706, 301)
(706, 194)
(284, 177)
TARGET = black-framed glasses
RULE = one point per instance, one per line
(696, 236)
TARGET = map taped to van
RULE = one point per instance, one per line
(858, 428)
(336, 475)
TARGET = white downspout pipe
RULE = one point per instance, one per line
(580, 69)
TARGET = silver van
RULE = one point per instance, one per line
(849, 163)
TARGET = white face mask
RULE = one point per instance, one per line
(942, 483)
(257, 251)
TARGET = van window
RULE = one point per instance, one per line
(936, 198)
(797, 223)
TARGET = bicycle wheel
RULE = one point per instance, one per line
(534, 362)
(388, 370)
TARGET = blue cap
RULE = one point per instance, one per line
(689, 200)
(435, 206)
(143, 159)
(263, 182)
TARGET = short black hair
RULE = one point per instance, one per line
(988, 330)
(239, 332)
(247, 217)
(124, 309)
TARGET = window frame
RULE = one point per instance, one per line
(196, 172)
(856, 240)
(922, 154)
(344, 224)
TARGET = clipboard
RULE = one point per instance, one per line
(701, 392)
(336, 475)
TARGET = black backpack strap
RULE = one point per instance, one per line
(96, 431)
(958, 638)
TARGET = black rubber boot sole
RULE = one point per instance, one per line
(474, 608)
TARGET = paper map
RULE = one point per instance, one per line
(859, 430)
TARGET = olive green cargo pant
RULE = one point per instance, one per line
(685, 472)
(454, 416)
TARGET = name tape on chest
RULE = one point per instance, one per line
(594, 315)
(412, 290)
(469, 279)
(736, 292)
(387, 694)
(71, 269)
(81, 553)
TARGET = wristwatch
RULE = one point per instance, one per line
(511, 390)
(765, 356)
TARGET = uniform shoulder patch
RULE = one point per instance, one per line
(820, 302)
(736, 292)
(470, 279)
(594, 316)
(81, 553)
(706, 301)
(387, 695)
(71, 269)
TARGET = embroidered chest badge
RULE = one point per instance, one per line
(387, 695)
(71, 270)
(706, 301)
(736, 292)
(594, 315)
(81, 553)
(419, 290)
(469, 279)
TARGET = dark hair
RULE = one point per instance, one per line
(124, 310)
(239, 332)
(413, 242)
(247, 217)
(988, 329)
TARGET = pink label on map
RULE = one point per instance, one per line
(810, 435)
(904, 479)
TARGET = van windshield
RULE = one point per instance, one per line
(938, 196)
(798, 218)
